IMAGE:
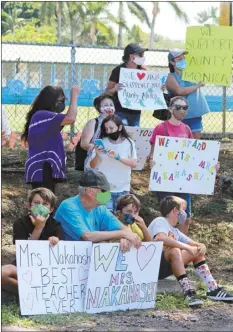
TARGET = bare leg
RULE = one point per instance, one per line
(9, 279)
(185, 226)
(196, 134)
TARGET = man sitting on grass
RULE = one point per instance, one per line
(179, 250)
(37, 225)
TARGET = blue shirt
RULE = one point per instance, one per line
(75, 220)
(198, 105)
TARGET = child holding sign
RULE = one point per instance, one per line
(175, 128)
(37, 225)
(180, 250)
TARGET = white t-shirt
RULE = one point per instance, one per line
(161, 225)
(117, 173)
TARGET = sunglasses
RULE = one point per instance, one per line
(179, 107)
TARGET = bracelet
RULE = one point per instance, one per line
(118, 157)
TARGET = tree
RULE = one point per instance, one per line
(135, 34)
(136, 10)
(156, 10)
(96, 25)
(208, 16)
(11, 21)
(50, 12)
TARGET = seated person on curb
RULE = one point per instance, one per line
(179, 250)
(37, 225)
(85, 217)
(128, 208)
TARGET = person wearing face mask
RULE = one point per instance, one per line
(174, 127)
(38, 224)
(104, 104)
(179, 250)
(45, 165)
(133, 58)
(85, 217)
(128, 208)
(117, 158)
(191, 91)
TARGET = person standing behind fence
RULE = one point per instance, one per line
(45, 165)
(176, 86)
(133, 58)
(104, 104)
(116, 159)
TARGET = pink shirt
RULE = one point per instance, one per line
(174, 131)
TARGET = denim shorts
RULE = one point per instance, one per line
(130, 119)
(112, 204)
(195, 124)
(186, 197)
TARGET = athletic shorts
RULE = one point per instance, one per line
(195, 124)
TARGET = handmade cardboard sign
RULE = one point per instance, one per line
(52, 280)
(210, 54)
(142, 89)
(121, 281)
(141, 137)
(184, 165)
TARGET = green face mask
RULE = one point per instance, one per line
(103, 198)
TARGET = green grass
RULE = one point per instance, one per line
(212, 121)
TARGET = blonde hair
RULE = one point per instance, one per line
(46, 194)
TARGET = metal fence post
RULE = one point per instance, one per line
(224, 106)
(73, 51)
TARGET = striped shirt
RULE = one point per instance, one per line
(45, 144)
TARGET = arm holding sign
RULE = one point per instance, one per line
(172, 85)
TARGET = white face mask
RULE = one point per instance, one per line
(107, 110)
(139, 60)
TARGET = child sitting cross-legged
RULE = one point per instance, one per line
(128, 207)
(180, 250)
(37, 225)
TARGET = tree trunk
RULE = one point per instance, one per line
(92, 33)
(120, 33)
(59, 15)
(154, 13)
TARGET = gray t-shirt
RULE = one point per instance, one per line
(161, 225)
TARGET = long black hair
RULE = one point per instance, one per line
(171, 67)
(46, 100)
(118, 122)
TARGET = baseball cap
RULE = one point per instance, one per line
(175, 52)
(94, 179)
(134, 48)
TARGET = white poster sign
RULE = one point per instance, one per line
(142, 89)
(52, 280)
(141, 137)
(184, 165)
(121, 281)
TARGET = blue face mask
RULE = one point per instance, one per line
(182, 216)
(127, 218)
(181, 64)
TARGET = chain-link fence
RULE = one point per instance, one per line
(26, 68)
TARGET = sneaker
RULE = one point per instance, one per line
(219, 294)
(193, 300)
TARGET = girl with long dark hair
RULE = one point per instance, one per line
(45, 165)
(116, 159)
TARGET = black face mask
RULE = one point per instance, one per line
(60, 107)
(114, 136)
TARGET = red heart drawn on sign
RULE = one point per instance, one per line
(141, 76)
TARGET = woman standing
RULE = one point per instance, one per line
(176, 86)
(45, 165)
(133, 59)
(116, 159)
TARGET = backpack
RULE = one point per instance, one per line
(163, 113)
(81, 154)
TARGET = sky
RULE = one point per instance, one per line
(167, 24)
